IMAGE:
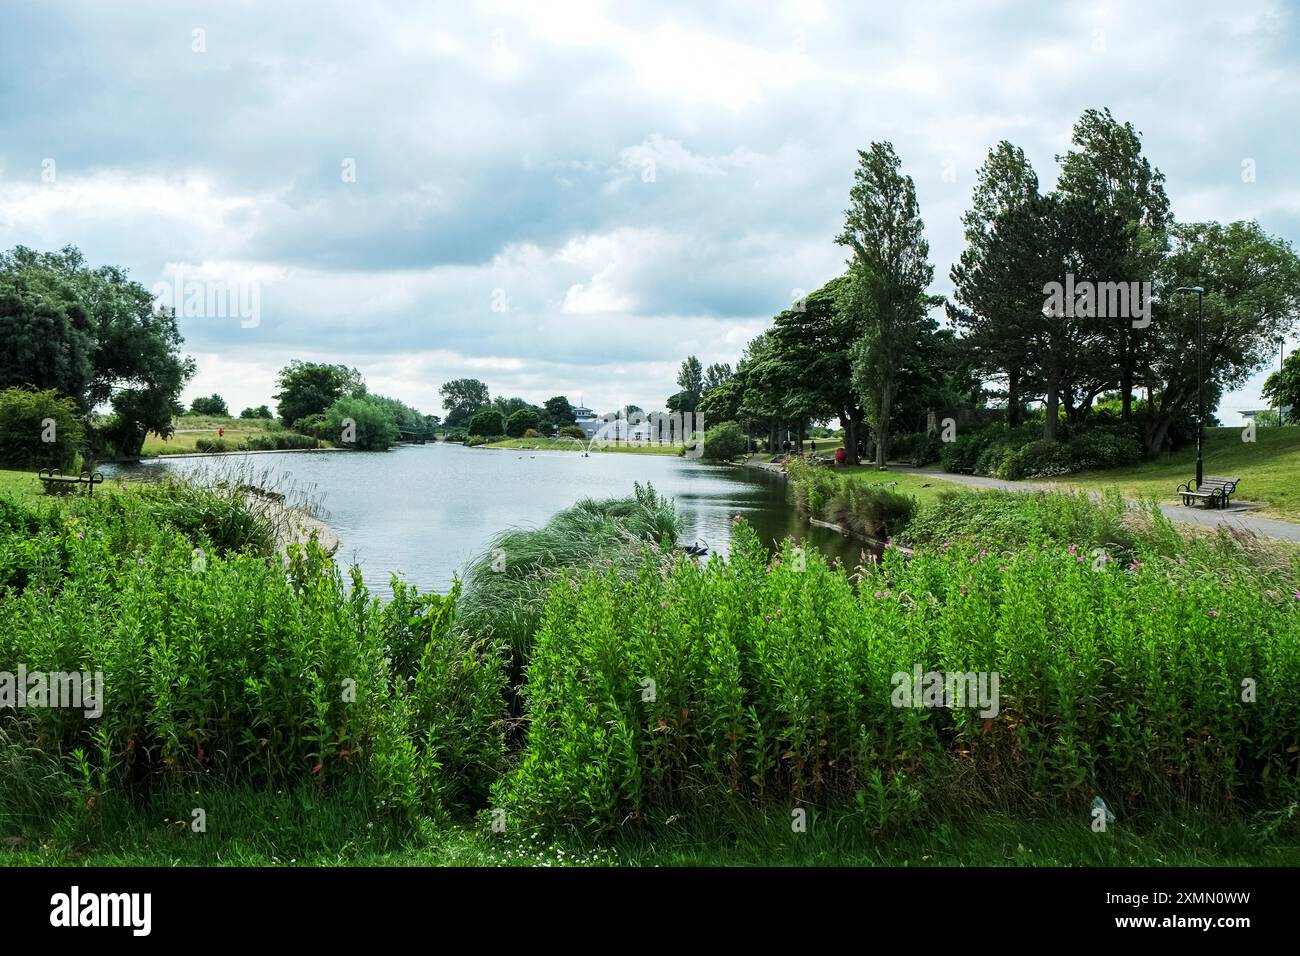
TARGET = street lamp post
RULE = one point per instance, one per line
(1200, 380)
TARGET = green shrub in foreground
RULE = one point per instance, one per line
(740, 681)
(221, 668)
(506, 586)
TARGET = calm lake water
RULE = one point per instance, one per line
(424, 511)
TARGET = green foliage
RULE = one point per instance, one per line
(363, 422)
(281, 441)
(573, 431)
(212, 404)
(94, 336)
(223, 670)
(28, 418)
(525, 419)
(833, 496)
(1282, 388)
(486, 422)
(261, 411)
(462, 398)
(744, 682)
(310, 388)
(1010, 519)
(506, 586)
(724, 442)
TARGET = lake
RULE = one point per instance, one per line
(424, 511)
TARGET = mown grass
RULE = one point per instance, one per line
(20, 484)
(302, 829)
(1269, 468)
(190, 429)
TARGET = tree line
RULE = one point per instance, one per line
(866, 350)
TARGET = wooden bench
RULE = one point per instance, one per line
(1215, 492)
(57, 483)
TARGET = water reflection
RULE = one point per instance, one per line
(423, 511)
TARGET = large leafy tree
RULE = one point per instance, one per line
(93, 335)
(559, 412)
(1282, 388)
(461, 398)
(1252, 297)
(212, 404)
(309, 388)
(818, 340)
(890, 271)
(1115, 204)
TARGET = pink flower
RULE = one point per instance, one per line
(81, 536)
(1297, 595)
(1213, 613)
(1135, 565)
(1074, 549)
(767, 617)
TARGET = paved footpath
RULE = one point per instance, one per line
(1234, 516)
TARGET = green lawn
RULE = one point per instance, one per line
(23, 484)
(1269, 469)
(924, 488)
(191, 428)
(304, 830)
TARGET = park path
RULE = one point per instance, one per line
(1235, 516)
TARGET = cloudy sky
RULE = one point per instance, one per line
(569, 197)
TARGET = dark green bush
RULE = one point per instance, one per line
(724, 442)
(487, 421)
(525, 419)
(39, 429)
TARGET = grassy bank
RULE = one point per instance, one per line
(199, 433)
(19, 484)
(1269, 468)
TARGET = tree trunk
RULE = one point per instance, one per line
(1126, 374)
(882, 430)
(1013, 397)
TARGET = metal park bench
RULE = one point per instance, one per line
(57, 483)
(1215, 492)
